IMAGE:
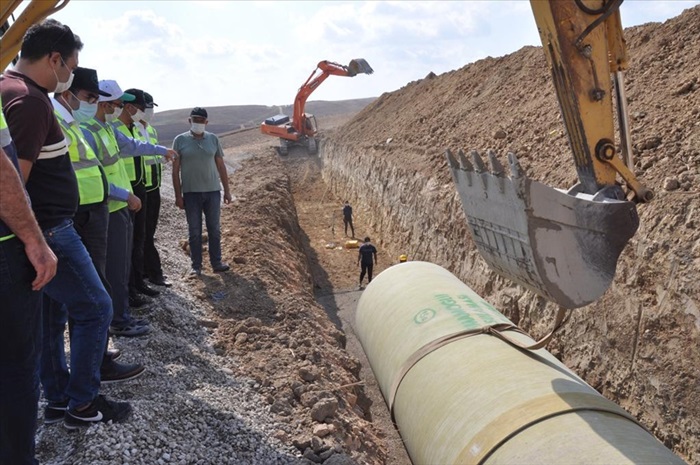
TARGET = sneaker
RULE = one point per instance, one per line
(116, 372)
(99, 410)
(194, 272)
(54, 412)
(221, 267)
(129, 330)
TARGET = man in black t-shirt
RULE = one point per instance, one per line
(347, 218)
(367, 258)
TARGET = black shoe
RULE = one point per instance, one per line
(162, 281)
(145, 290)
(114, 372)
(136, 301)
(113, 354)
(131, 329)
(221, 267)
(54, 412)
(100, 410)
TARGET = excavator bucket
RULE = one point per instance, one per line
(563, 245)
(359, 66)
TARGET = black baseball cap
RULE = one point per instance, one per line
(149, 100)
(86, 79)
(198, 111)
(140, 98)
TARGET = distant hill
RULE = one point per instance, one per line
(233, 117)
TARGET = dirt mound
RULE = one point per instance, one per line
(640, 344)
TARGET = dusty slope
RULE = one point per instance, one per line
(640, 344)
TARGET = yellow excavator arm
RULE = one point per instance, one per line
(564, 244)
(35, 12)
(586, 52)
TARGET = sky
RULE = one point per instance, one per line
(215, 53)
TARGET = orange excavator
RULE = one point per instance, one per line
(302, 129)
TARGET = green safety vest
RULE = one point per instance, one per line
(153, 162)
(5, 135)
(108, 154)
(129, 162)
(92, 181)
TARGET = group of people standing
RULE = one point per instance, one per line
(80, 175)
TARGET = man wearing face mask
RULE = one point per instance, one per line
(127, 124)
(48, 56)
(114, 148)
(154, 174)
(79, 104)
(196, 176)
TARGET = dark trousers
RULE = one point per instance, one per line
(119, 242)
(151, 257)
(209, 204)
(139, 238)
(348, 221)
(20, 348)
(366, 268)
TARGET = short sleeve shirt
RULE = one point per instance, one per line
(367, 251)
(198, 172)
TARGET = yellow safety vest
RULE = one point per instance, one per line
(4, 135)
(108, 154)
(129, 162)
(92, 181)
(153, 161)
(146, 168)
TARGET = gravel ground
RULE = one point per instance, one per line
(189, 408)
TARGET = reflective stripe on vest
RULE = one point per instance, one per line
(154, 160)
(108, 154)
(88, 171)
(147, 168)
(129, 162)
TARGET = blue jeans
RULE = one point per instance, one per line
(20, 348)
(77, 286)
(208, 203)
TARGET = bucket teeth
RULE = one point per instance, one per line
(451, 160)
(496, 166)
(478, 162)
(516, 171)
(464, 161)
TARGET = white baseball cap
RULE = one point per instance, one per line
(115, 92)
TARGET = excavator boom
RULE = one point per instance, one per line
(564, 244)
(302, 127)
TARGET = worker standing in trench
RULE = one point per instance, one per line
(347, 219)
(366, 259)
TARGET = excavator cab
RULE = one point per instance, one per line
(564, 244)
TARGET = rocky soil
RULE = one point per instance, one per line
(260, 365)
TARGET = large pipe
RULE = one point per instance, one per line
(477, 399)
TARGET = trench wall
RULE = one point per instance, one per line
(627, 345)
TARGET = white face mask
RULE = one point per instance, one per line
(62, 86)
(197, 128)
(148, 115)
(138, 116)
(113, 116)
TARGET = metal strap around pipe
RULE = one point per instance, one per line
(497, 330)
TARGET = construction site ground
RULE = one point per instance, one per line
(260, 365)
